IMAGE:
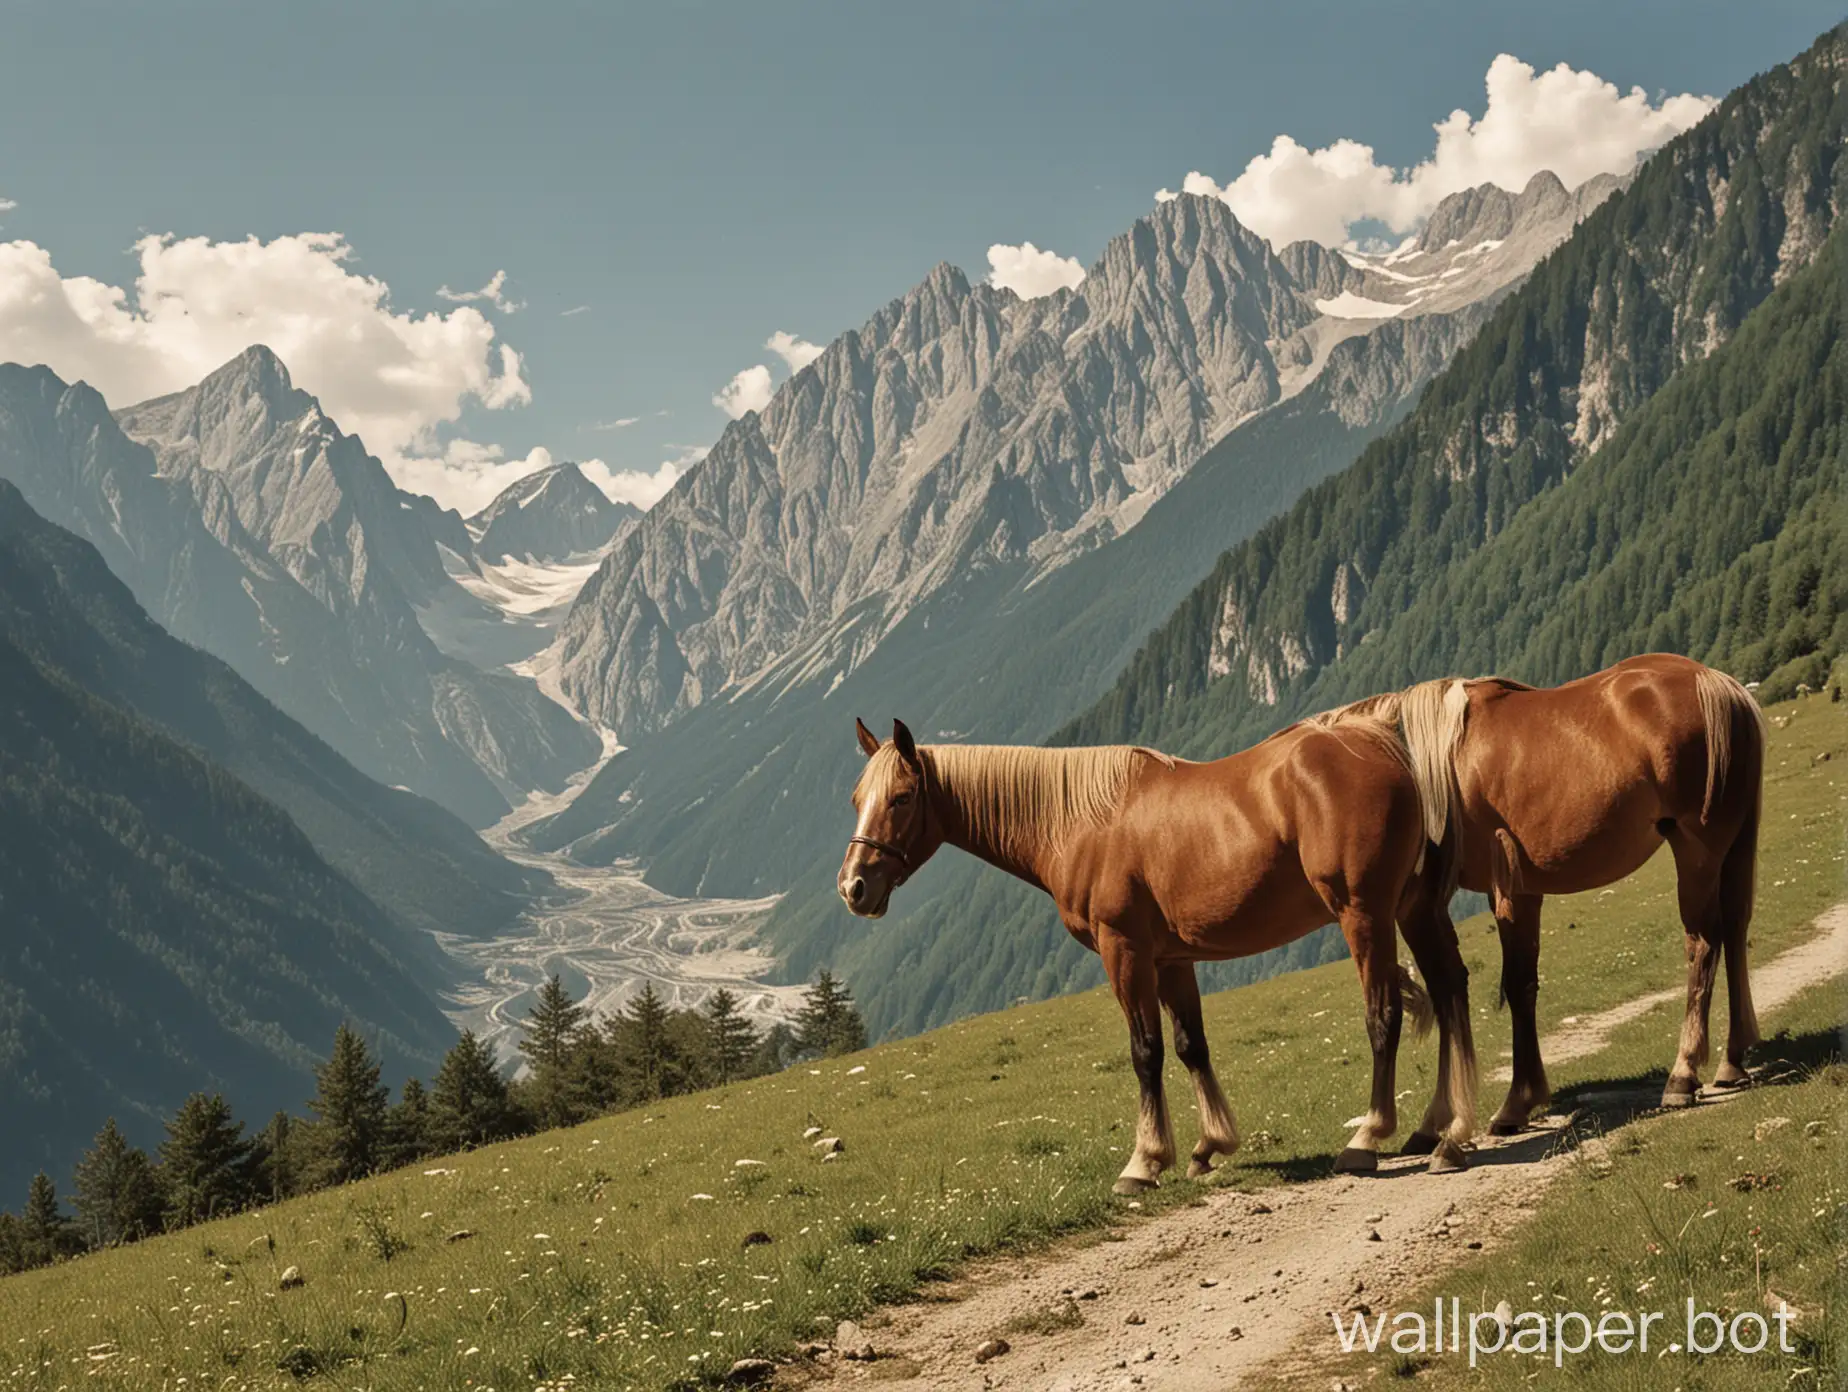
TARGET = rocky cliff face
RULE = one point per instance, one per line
(552, 515)
(963, 429)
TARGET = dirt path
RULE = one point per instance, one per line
(1203, 1296)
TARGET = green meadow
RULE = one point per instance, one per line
(615, 1254)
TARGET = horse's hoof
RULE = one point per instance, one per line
(1130, 1186)
(1681, 1092)
(1731, 1076)
(1198, 1168)
(1506, 1128)
(1448, 1158)
(1419, 1143)
(1353, 1160)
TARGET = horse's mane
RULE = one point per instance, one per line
(1423, 726)
(1021, 798)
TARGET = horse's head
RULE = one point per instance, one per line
(894, 831)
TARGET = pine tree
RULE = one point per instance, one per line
(12, 1245)
(776, 1050)
(278, 1159)
(644, 1054)
(553, 1030)
(828, 1023)
(731, 1042)
(45, 1233)
(407, 1129)
(468, 1100)
(205, 1161)
(118, 1193)
(350, 1104)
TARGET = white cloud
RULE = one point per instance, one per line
(640, 487)
(620, 423)
(8, 204)
(1030, 272)
(392, 378)
(750, 390)
(494, 293)
(797, 352)
(575, 309)
(1574, 123)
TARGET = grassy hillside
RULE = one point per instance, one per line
(613, 1254)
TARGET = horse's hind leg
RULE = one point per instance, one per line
(1371, 940)
(1517, 920)
(1697, 888)
(1451, 1118)
(1737, 874)
(1180, 992)
(1131, 967)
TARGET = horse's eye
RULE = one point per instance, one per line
(902, 800)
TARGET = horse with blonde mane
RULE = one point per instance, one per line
(1156, 863)
(1562, 790)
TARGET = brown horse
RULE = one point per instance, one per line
(1568, 789)
(1156, 863)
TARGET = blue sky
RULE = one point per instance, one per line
(698, 176)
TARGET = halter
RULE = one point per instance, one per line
(902, 856)
(885, 846)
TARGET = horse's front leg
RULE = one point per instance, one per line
(1180, 992)
(1130, 962)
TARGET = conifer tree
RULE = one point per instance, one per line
(12, 1245)
(468, 1100)
(118, 1193)
(828, 1023)
(45, 1233)
(645, 1057)
(205, 1161)
(408, 1127)
(350, 1104)
(731, 1042)
(278, 1158)
(553, 1032)
(776, 1050)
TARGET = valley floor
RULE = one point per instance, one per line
(606, 933)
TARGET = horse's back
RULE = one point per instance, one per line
(1587, 776)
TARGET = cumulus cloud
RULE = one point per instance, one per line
(640, 487)
(391, 377)
(750, 390)
(1030, 272)
(1570, 122)
(8, 204)
(797, 352)
(494, 293)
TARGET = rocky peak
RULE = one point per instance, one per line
(552, 514)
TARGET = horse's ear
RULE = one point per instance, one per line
(869, 742)
(907, 747)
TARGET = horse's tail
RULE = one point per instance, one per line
(1432, 716)
(1736, 740)
(1728, 711)
(1416, 1002)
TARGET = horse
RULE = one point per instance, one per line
(1567, 789)
(1156, 863)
